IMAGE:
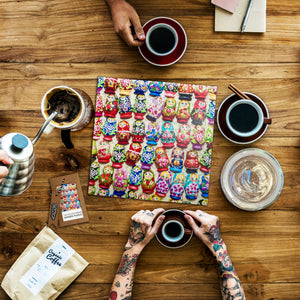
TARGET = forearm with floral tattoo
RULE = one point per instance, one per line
(230, 284)
(141, 232)
(123, 282)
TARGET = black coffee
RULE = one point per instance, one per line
(162, 40)
(65, 104)
(173, 230)
(243, 117)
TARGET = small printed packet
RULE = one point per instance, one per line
(67, 202)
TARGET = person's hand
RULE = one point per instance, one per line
(208, 230)
(142, 229)
(5, 159)
(127, 22)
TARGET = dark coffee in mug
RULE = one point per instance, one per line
(173, 230)
(162, 40)
(243, 117)
(66, 105)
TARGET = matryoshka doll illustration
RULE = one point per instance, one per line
(92, 187)
(131, 194)
(163, 183)
(148, 183)
(139, 107)
(199, 111)
(171, 89)
(204, 186)
(140, 87)
(125, 87)
(168, 135)
(198, 137)
(111, 106)
(109, 129)
(184, 136)
(123, 132)
(99, 106)
(100, 84)
(135, 178)
(205, 160)
(103, 153)
(152, 133)
(212, 93)
(118, 156)
(138, 131)
(147, 157)
(143, 196)
(120, 182)
(94, 149)
(177, 187)
(169, 110)
(103, 192)
(155, 197)
(110, 85)
(97, 128)
(177, 158)
(209, 135)
(191, 163)
(186, 91)
(200, 91)
(95, 170)
(106, 178)
(191, 186)
(155, 109)
(124, 106)
(133, 154)
(161, 159)
(155, 88)
(210, 114)
(183, 111)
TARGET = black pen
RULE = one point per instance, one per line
(246, 15)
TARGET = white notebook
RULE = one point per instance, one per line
(225, 21)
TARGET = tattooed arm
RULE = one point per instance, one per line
(141, 233)
(209, 233)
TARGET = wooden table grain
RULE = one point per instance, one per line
(44, 43)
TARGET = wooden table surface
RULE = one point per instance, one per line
(45, 43)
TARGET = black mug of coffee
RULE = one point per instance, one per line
(161, 39)
(245, 118)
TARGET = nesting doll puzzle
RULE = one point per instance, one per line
(152, 140)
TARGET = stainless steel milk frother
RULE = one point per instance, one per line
(20, 149)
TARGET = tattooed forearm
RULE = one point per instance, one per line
(127, 264)
(230, 284)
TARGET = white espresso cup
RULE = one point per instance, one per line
(161, 39)
(245, 118)
(79, 121)
(173, 231)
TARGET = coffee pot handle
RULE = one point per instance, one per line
(66, 138)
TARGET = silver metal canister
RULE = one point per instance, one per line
(20, 149)
(20, 175)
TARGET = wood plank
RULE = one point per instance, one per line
(179, 291)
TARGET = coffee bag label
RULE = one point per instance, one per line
(47, 266)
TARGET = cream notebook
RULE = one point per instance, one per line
(225, 21)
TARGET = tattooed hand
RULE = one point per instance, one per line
(209, 232)
(209, 229)
(141, 233)
(141, 229)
